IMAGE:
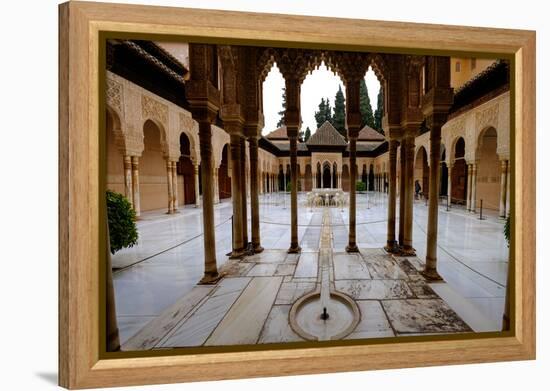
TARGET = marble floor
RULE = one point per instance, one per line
(159, 304)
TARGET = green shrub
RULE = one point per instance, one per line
(360, 186)
(122, 226)
(507, 230)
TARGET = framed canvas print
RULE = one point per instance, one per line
(247, 195)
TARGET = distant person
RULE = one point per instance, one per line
(417, 189)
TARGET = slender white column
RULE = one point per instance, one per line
(216, 187)
(128, 179)
(450, 184)
(502, 206)
(197, 192)
(135, 185)
(169, 186)
(474, 188)
(469, 189)
(174, 187)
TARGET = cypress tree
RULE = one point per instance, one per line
(282, 112)
(379, 113)
(307, 134)
(364, 105)
(339, 118)
(328, 112)
(320, 116)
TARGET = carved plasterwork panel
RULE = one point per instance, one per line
(150, 108)
(114, 95)
(487, 117)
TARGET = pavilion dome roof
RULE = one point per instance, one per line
(327, 135)
(278, 134)
(370, 134)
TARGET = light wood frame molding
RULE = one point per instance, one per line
(82, 364)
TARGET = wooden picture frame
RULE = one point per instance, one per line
(83, 365)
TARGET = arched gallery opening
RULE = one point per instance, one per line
(443, 173)
(422, 171)
(459, 174)
(364, 176)
(224, 180)
(308, 179)
(326, 176)
(334, 176)
(152, 176)
(371, 178)
(488, 170)
(186, 169)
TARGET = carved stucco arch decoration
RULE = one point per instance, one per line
(479, 139)
(485, 119)
(419, 151)
(378, 64)
(119, 135)
(349, 66)
(190, 128)
(156, 112)
(265, 62)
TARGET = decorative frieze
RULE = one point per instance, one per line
(114, 92)
(150, 108)
(487, 117)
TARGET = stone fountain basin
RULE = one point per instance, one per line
(305, 316)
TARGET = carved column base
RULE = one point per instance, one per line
(237, 253)
(210, 278)
(294, 249)
(391, 247)
(352, 248)
(431, 275)
(407, 251)
(257, 248)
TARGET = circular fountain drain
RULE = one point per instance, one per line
(306, 316)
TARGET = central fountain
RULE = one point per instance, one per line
(324, 314)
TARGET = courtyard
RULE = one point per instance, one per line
(160, 305)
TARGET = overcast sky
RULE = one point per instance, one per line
(321, 83)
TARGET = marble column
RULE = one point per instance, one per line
(254, 200)
(197, 191)
(508, 185)
(135, 185)
(502, 206)
(294, 246)
(216, 187)
(449, 184)
(210, 267)
(430, 269)
(391, 244)
(236, 197)
(244, 192)
(402, 176)
(170, 186)
(469, 189)
(128, 179)
(352, 245)
(474, 188)
(174, 187)
(409, 197)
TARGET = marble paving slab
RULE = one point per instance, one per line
(423, 316)
(267, 256)
(292, 291)
(374, 289)
(422, 289)
(263, 270)
(350, 266)
(158, 327)
(307, 265)
(195, 330)
(285, 269)
(244, 321)
(235, 268)
(373, 324)
(276, 328)
(383, 267)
